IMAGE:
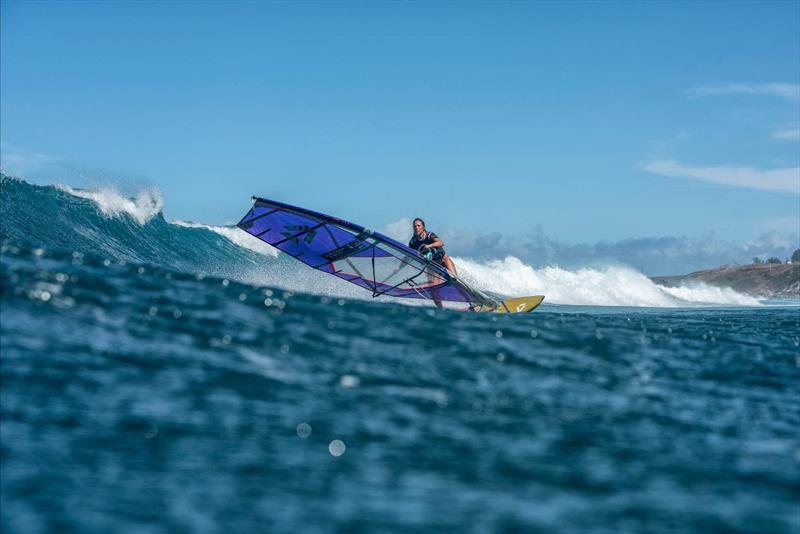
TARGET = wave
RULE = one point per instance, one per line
(609, 286)
(105, 222)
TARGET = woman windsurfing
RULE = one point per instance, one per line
(430, 246)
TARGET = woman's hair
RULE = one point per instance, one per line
(415, 220)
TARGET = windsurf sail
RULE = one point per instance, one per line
(353, 253)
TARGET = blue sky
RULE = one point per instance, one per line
(591, 121)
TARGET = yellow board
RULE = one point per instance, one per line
(519, 304)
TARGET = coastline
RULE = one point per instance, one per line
(775, 281)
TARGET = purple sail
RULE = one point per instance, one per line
(367, 259)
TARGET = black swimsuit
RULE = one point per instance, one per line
(427, 239)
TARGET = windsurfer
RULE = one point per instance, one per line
(425, 242)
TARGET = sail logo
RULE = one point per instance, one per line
(303, 229)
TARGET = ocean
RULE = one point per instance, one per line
(163, 376)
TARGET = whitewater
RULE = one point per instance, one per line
(613, 285)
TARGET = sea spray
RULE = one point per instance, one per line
(142, 208)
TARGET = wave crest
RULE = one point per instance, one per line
(142, 208)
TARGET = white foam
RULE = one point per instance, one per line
(236, 236)
(609, 286)
(147, 204)
(703, 293)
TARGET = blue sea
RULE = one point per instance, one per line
(167, 376)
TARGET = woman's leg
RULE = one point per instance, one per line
(450, 265)
(437, 280)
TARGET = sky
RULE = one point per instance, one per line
(587, 122)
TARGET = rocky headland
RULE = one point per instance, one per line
(761, 280)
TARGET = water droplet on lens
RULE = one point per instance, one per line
(303, 430)
(534, 333)
(349, 381)
(501, 357)
(284, 349)
(242, 297)
(336, 447)
(226, 282)
(177, 314)
(498, 334)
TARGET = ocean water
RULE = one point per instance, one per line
(161, 376)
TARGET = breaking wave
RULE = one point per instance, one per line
(134, 229)
(610, 286)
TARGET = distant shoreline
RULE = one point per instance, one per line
(763, 280)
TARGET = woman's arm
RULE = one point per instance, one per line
(437, 243)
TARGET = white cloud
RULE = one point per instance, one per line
(780, 224)
(20, 161)
(788, 134)
(783, 180)
(652, 255)
(400, 230)
(789, 91)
